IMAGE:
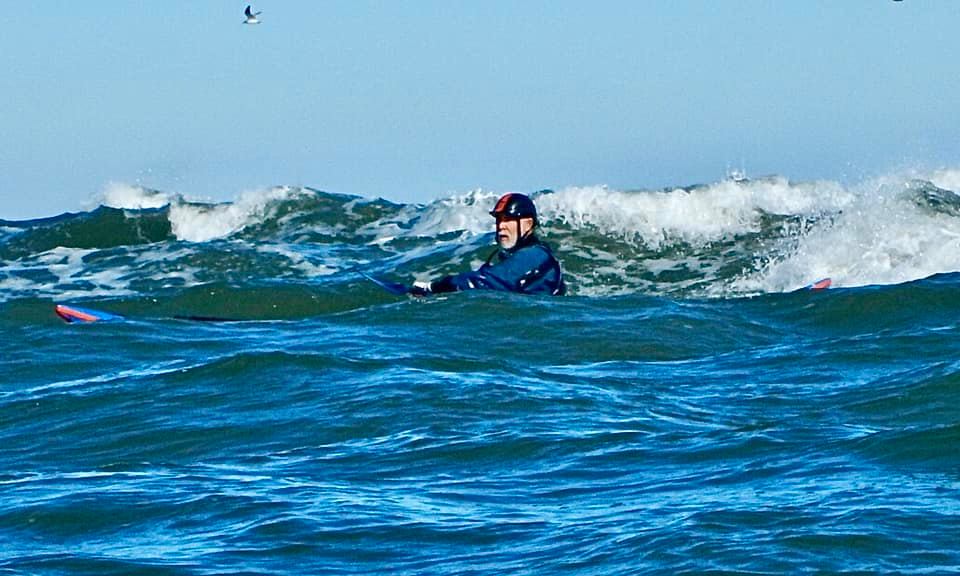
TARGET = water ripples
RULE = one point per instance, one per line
(634, 436)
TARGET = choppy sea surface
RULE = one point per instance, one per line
(688, 408)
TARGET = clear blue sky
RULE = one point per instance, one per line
(414, 100)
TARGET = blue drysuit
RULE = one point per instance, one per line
(530, 268)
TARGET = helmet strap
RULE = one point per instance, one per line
(521, 236)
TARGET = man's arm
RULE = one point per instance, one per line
(510, 275)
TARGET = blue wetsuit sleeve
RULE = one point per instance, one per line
(511, 274)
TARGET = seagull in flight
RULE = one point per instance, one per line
(251, 16)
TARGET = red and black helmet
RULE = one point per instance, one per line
(514, 205)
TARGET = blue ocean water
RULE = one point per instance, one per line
(688, 408)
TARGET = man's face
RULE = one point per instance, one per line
(510, 230)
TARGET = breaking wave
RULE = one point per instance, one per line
(731, 238)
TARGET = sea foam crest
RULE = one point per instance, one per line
(198, 221)
(948, 178)
(697, 215)
(469, 212)
(885, 236)
(466, 212)
(204, 222)
(130, 197)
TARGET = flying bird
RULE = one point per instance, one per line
(251, 16)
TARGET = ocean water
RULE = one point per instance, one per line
(688, 409)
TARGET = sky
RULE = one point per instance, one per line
(413, 101)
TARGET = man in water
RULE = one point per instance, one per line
(523, 263)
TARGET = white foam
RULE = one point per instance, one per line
(297, 260)
(883, 237)
(945, 178)
(131, 197)
(467, 212)
(196, 221)
(67, 268)
(698, 216)
(205, 222)
(11, 285)
(68, 265)
(873, 232)
(61, 258)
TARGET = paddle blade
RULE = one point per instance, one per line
(820, 284)
(73, 314)
(392, 287)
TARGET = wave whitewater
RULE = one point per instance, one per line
(730, 238)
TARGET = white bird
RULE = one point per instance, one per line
(251, 16)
